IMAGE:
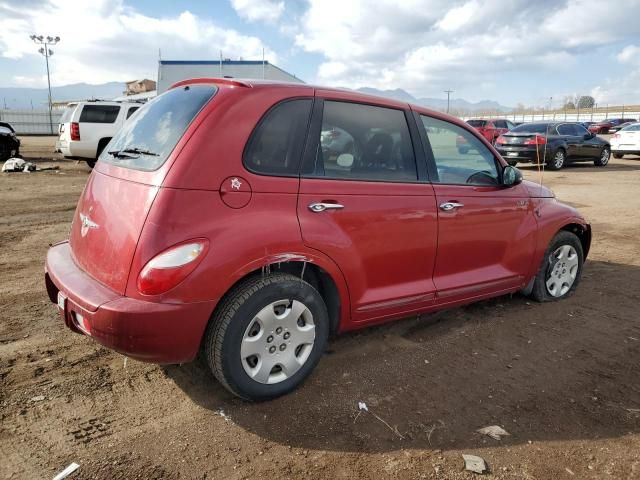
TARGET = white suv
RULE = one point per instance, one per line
(86, 127)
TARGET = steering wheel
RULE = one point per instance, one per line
(483, 177)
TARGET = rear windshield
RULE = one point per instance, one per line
(477, 123)
(531, 128)
(99, 113)
(68, 112)
(148, 137)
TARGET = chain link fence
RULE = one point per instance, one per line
(578, 115)
(32, 122)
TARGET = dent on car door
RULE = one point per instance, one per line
(486, 232)
(365, 203)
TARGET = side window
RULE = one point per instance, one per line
(510, 125)
(364, 142)
(580, 130)
(460, 157)
(131, 111)
(99, 113)
(500, 124)
(275, 146)
(565, 129)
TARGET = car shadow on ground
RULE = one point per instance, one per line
(554, 371)
(616, 165)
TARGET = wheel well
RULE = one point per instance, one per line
(583, 233)
(313, 274)
(101, 144)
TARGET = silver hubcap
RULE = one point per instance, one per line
(278, 341)
(559, 159)
(563, 270)
(605, 157)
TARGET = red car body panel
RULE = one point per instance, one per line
(390, 252)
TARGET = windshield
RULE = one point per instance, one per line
(477, 123)
(147, 139)
(531, 128)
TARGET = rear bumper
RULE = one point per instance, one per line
(152, 332)
(528, 155)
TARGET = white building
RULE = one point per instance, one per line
(172, 71)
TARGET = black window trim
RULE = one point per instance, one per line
(431, 162)
(301, 153)
(313, 139)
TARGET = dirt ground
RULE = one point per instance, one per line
(562, 378)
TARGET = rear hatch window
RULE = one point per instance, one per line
(148, 138)
(99, 113)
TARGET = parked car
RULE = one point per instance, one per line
(617, 128)
(9, 142)
(604, 126)
(587, 124)
(215, 223)
(553, 143)
(626, 141)
(87, 127)
(490, 129)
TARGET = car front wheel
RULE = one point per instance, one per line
(561, 269)
(267, 336)
(603, 160)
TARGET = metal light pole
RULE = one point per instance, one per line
(448, 92)
(47, 52)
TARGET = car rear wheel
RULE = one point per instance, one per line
(267, 336)
(557, 162)
(603, 160)
(561, 269)
(618, 155)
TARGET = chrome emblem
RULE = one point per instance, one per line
(87, 223)
(235, 184)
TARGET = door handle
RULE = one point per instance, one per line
(322, 206)
(448, 206)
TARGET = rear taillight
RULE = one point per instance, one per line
(169, 268)
(537, 140)
(501, 140)
(75, 131)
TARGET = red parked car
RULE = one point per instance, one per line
(217, 221)
(491, 129)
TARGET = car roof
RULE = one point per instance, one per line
(344, 93)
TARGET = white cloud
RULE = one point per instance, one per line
(625, 89)
(425, 46)
(629, 55)
(258, 10)
(104, 40)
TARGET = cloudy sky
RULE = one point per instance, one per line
(512, 51)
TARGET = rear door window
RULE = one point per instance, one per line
(275, 147)
(566, 129)
(99, 113)
(460, 157)
(148, 138)
(364, 142)
(500, 124)
(477, 123)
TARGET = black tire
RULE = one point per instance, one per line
(558, 160)
(603, 159)
(618, 155)
(539, 291)
(224, 336)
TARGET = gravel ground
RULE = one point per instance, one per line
(563, 378)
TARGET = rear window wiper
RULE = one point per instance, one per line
(119, 154)
(139, 151)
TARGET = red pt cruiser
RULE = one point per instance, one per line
(218, 219)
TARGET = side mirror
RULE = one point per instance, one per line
(511, 176)
(589, 135)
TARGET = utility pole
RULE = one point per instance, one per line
(448, 92)
(47, 52)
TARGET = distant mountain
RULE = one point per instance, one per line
(20, 98)
(437, 103)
